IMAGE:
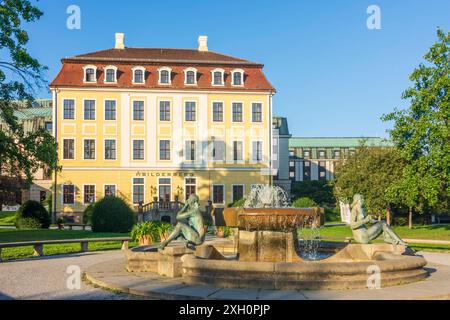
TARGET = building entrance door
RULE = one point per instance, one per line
(164, 192)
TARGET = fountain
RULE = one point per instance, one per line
(270, 255)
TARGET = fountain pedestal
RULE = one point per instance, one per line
(267, 246)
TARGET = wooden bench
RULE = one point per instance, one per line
(71, 225)
(38, 246)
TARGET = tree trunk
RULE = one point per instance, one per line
(388, 217)
(410, 218)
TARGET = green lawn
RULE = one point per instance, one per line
(8, 235)
(7, 218)
(433, 232)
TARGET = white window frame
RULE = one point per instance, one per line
(74, 109)
(171, 150)
(243, 190)
(223, 111)
(158, 184)
(132, 190)
(262, 111)
(132, 149)
(222, 71)
(95, 193)
(262, 151)
(224, 193)
(111, 67)
(133, 81)
(243, 151)
(104, 149)
(195, 111)
(95, 147)
(243, 111)
(170, 111)
(95, 111)
(170, 76)
(89, 66)
(185, 184)
(104, 109)
(132, 110)
(185, 151)
(185, 76)
(109, 184)
(242, 77)
(74, 194)
(74, 148)
(224, 150)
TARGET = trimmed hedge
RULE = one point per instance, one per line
(112, 214)
(32, 215)
(304, 202)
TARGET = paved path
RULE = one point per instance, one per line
(46, 277)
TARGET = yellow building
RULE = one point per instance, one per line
(147, 123)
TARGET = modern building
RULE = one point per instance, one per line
(39, 115)
(314, 158)
(155, 123)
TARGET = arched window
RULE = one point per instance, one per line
(110, 74)
(217, 77)
(190, 76)
(138, 76)
(238, 77)
(90, 75)
(164, 75)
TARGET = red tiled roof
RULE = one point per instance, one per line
(162, 55)
(72, 75)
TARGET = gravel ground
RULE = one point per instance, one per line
(45, 278)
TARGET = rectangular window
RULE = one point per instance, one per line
(217, 111)
(164, 110)
(306, 170)
(337, 154)
(218, 151)
(322, 153)
(89, 149)
(164, 149)
(322, 170)
(238, 192)
(138, 149)
(110, 190)
(68, 194)
(257, 151)
(306, 154)
(49, 126)
(256, 112)
(190, 111)
(138, 190)
(189, 150)
(218, 194)
(237, 112)
(110, 149)
(138, 110)
(69, 149)
(110, 110)
(191, 186)
(69, 109)
(89, 109)
(89, 194)
(238, 151)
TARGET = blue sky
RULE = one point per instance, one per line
(334, 76)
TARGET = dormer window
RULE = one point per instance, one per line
(110, 74)
(238, 77)
(138, 75)
(190, 76)
(90, 73)
(218, 77)
(164, 75)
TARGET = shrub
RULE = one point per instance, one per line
(154, 230)
(32, 215)
(304, 202)
(112, 214)
(332, 215)
(237, 203)
(87, 214)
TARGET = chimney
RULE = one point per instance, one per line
(203, 43)
(119, 41)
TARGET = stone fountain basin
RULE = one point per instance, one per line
(272, 219)
(347, 269)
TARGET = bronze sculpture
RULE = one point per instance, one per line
(364, 235)
(190, 227)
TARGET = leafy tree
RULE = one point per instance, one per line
(422, 132)
(371, 171)
(319, 191)
(21, 154)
